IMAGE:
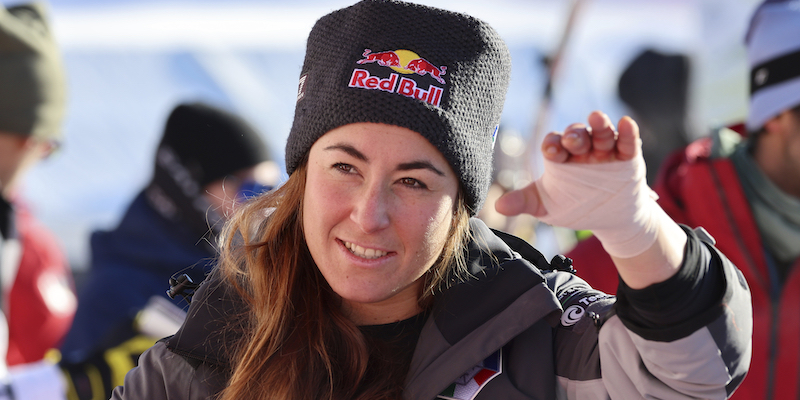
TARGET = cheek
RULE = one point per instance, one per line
(311, 212)
(434, 228)
(794, 148)
(322, 204)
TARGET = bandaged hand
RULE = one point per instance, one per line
(594, 179)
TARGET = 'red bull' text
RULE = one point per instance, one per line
(395, 84)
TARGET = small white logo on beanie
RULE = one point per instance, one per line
(301, 88)
(761, 76)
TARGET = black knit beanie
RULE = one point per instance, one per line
(212, 143)
(201, 144)
(436, 72)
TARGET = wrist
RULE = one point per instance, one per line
(638, 234)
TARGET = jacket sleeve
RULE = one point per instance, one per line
(687, 337)
(37, 323)
(163, 375)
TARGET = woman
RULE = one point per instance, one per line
(364, 277)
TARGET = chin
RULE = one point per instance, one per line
(365, 298)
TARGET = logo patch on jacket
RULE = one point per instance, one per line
(470, 384)
(572, 315)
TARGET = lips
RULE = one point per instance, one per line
(362, 252)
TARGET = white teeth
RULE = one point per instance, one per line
(364, 253)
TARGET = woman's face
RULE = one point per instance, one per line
(377, 210)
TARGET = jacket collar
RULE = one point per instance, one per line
(211, 327)
(504, 296)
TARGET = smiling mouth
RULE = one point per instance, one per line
(359, 251)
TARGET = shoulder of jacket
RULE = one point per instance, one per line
(720, 143)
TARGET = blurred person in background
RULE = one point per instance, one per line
(37, 300)
(207, 161)
(655, 87)
(745, 190)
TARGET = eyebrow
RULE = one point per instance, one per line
(352, 151)
(419, 165)
(409, 166)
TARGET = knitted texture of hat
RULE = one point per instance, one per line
(773, 55)
(32, 81)
(439, 73)
(212, 143)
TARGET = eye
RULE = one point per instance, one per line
(344, 168)
(413, 183)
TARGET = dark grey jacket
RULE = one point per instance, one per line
(522, 329)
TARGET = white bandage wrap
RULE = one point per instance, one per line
(610, 199)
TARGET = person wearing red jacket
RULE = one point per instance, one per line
(745, 190)
(37, 299)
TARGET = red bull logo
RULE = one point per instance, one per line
(404, 62)
(422, 66)
(384, 58)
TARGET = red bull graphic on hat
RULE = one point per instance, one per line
(403, 62)
(422, 66)
(384, 58)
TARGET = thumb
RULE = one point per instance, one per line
(525, 200)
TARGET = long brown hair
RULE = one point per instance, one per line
(298, 344)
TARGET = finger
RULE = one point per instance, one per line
(576, 140)
(628, 143)
(552, 148)
(525, 200)
(603, 134)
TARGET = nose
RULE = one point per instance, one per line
(371, 210)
